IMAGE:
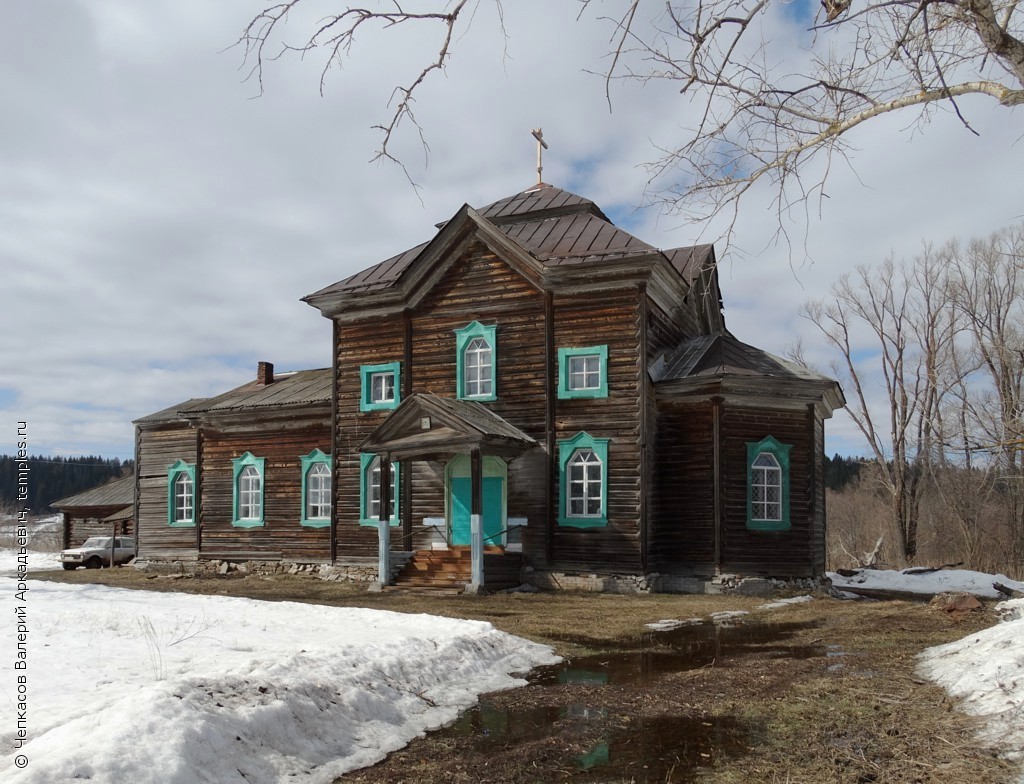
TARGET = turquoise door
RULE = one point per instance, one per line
(461, 490)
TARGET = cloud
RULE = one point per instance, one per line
(161, 223)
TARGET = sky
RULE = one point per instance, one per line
(161, 219)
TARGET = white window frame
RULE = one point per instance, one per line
(578, 477)
(764, 477)
(477, 357)
(184, 498)
(318, 492)
(250, 493)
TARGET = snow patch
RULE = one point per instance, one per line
(162, 687)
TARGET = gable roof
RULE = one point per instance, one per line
(300, 387)
(295, 388)
(116, 493)
(425, 424)
(554, 227)
(169, 414)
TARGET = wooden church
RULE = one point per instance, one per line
(532, 395)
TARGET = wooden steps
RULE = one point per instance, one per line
(448, 570)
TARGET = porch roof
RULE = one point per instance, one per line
(427, 426)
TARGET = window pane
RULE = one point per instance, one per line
(584, 372)
(318, 492)
(477, 369)
(584, 473)
(382, 388)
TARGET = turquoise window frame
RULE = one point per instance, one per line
(780, 452)
(316, 457)
(566, 449)
(365, 460)
(238, 465)
(366, 374)
(564, 355)
(176, 469)
(463, 337)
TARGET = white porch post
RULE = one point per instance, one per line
(384, 523)
(476, 526)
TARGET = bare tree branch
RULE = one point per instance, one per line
(774, 94)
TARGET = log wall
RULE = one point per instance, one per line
(158, 449)
(281, 536)
(786, 553)
(683, 500)
(479, 286)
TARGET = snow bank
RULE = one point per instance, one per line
(37, 561)
(976, 583)
(986, 672)
(134, 686)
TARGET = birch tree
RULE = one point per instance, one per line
(893, 325)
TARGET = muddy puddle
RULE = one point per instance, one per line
(605, 743)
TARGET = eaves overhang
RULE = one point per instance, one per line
(826, 395)
(417, 280)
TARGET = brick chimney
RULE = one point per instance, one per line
(264, 373)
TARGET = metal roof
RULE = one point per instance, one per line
(689, 262)
(574, 239)
(301, 387)
(724, 355)
(556, 227)
(119, 492)
(171, 413)
(541, 200)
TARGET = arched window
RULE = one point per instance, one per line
(316, 489)
(476, 359)
(184, 493)
(370, 486)
(248, 490)
(766, 488)
(250, 494)
(586, 482)
(181, 494)
(583, 481)
(768, 485)
(318, 492)
(479, 380)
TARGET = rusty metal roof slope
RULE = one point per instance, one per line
(689, 262)
(539, 201)
(724, 355)
(556, 227)
(379, 276)
(171, 413)
(301, 387)
(119, 492)
(574, 239)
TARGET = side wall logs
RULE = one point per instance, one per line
(158, 449)
(785, 553)
(282, 536)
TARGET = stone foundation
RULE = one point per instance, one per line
(357, 570)
(668, 583)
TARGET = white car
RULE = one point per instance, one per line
(95, 552)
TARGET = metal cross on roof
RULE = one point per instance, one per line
(542, 145)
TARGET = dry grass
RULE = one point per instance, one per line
(851, 711)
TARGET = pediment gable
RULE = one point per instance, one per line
(428, 426)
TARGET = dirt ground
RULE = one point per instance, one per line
(823, 691)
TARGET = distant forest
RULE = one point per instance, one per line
(840, 471)
(53, 478)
